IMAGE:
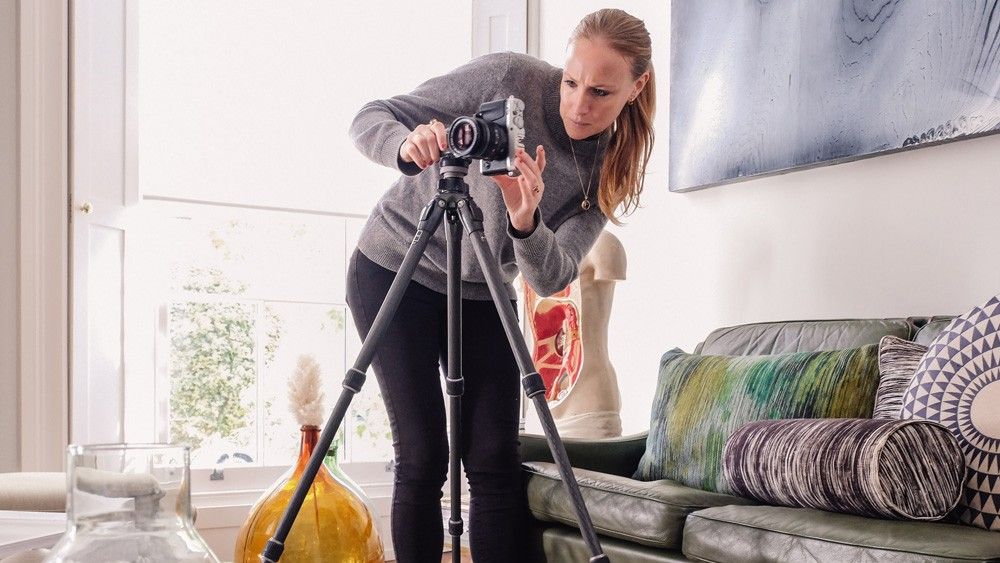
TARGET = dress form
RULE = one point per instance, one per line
(570, 332)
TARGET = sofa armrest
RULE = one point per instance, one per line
(33, 491)
(617, 456)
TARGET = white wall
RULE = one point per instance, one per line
(905, 234)
(9, 455)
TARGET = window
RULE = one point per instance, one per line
(215, 192)
(252, 196)
(239, 296)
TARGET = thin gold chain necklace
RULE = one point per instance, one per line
(585, 204)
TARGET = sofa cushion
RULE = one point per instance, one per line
(897, 362)
(801, 336)
(880, 468)
(780, 534)
(958, 385)
(553, 543)
(701, 400)
(646, 512)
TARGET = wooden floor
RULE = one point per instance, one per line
(446, 558)
(466, 557)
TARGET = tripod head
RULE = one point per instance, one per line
(453, 171)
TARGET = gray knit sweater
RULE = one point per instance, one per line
(550, 255)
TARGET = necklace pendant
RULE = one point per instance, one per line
(585, 204)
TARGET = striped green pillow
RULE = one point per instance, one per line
(701, 400)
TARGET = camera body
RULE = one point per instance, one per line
(492, 135)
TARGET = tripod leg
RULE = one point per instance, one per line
(430, 219)
(472, 220)
(455, 382)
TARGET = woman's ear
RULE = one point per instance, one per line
(640, 83)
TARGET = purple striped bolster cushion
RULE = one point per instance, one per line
(880, 468)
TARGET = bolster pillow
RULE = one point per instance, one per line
(879, 468)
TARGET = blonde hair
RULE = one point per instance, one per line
(624, 169)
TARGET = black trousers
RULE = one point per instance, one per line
(406, 365)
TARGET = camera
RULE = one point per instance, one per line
(492, 135)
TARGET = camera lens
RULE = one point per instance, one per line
(463, 136)
(474, 137)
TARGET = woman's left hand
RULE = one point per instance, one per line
(521, 194)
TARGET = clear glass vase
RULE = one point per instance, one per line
(334, 523)
(129, 502)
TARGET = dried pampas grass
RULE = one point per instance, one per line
(305, 395)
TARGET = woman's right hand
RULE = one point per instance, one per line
(424, 144)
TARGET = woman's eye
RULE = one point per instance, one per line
(601, 93)
(569, 83)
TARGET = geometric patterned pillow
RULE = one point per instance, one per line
(958, 385)
(898, 360)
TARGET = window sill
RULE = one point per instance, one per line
(225, 503)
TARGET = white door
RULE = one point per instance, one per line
(499, 25)
(103, 193)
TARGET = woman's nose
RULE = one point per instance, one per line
(579, 106)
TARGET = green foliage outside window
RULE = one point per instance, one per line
(213, 361)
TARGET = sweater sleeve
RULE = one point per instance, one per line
(549, 260)
(381, 126)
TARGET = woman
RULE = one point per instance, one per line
(594, 115)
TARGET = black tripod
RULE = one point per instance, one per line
(454, 202)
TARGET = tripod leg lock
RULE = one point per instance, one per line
(533, 384)
(455, 527)
(354, 380)
(272, 551)
(455, 387)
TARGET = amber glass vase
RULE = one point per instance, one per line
(333, 524)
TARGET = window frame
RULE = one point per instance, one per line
(222, 504)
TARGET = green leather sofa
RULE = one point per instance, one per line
(665, 521)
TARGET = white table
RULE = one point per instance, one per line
(21, 531)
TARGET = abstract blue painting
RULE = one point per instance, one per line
(766, 86)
